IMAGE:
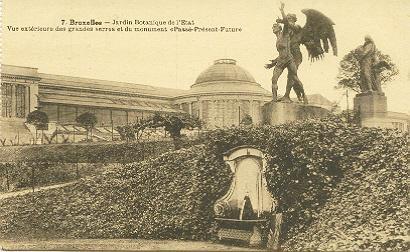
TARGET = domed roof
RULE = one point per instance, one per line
(224, 70)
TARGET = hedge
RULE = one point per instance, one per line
(312, 166)
(55, 163)
(170, 196)
(20, 175)
(112, 152)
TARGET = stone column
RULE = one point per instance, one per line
(33, 97)
(13, 101)
(251, 111)
(190, 108)
(257, 111)
(27, 100)
(223, 112)
(200, 109)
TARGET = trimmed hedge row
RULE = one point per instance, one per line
(20, 175)
(171, 196)
(56, 163)
(113, 152)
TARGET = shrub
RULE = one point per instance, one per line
(246, 120)
(170, 196)
(40, 121)
(20, 175)
(87, 120)
(56, 163)
(111, 152)
(311, 167)
(308, 160)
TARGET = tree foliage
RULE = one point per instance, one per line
(38, 118)
(134, 131)
(349, 71)
(174, 123)
(40, 121)
(87, 120)
(246, 120)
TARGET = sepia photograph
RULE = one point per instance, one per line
(214, 125)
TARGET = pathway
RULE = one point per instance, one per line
(27, 191)
(117, 244)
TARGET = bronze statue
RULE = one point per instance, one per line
(370, 66)
(318, 29)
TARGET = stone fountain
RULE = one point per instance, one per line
(243, 212)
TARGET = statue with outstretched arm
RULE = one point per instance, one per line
(317, 31)
(285, 58)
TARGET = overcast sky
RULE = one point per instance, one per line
(176, 59)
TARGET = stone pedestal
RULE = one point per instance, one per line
(372, 109)
(280, 112)
(370, 105)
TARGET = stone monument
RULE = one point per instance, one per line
(316, 35)
(371, 103)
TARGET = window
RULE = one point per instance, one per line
(119, 117)
(51, 111)
(20, 101)
(67, 114)
(6, 99)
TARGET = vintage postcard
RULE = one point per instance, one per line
(204, 125)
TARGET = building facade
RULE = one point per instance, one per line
(222, 95)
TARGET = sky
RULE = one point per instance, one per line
(175, 60)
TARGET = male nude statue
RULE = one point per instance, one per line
(285, 60)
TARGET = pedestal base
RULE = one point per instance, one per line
(280, 112)
(372, 109)
(370, 105)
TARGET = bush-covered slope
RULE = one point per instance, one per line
(369, 209)
(340, 187)
(330, 178)
(166, 197)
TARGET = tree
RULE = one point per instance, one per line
(246, 120)
(135, 130)
(349, 71)
(87, 120)
(174, 123)
(40, 121)
(126, 132)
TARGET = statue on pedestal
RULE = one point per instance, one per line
(370, 67)
(317, 30)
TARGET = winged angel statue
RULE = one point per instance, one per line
(315, 35)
